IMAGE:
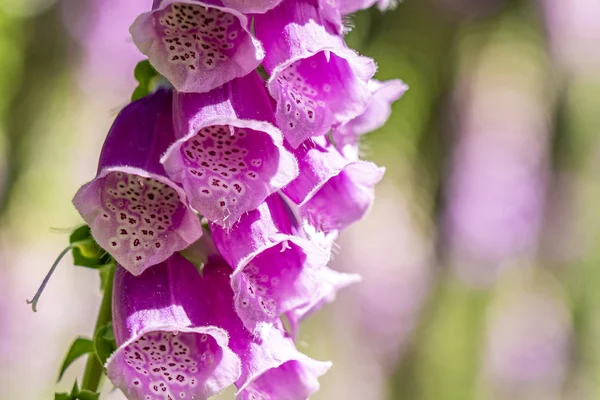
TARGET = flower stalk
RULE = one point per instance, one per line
(93, 371)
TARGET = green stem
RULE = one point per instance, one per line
(93, 369)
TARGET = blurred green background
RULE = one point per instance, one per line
(480, 256)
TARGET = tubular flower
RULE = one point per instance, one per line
(271, 166)
(134, 211)
(228, 157)
(384, 94)
(327, 177)
(197, 45)
(272, 368)
(316, 80)
(166, 348)
(276, 267)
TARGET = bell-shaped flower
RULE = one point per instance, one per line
(379, 109)
(134, 211)
(272, 367)
(316, 80)
(277, 268)
(166, 349)
(197, 45)
(332, 191)
(229, 156)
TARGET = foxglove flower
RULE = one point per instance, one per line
(272, 368)
(197, 45)
(229, 156)
(330, 282)
(276, 268)
(316, 80)
(375, 115)
(326, 177)
(166, 349)
(134, 211)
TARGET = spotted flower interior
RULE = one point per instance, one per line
(137, 218)
(169, 365)
(313, 93)
(227, 169)
(197, 36)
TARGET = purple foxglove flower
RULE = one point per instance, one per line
(272, 368)
(228, 157)
(316, 80)
(326, 177)
(294, 380)
(376, 114)
(276, 268)
(134, 211)
(166, 349)
(330, 282)
(197, 45)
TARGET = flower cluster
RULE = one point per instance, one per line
(254, 177)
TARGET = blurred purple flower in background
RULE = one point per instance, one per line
(108, 55)
(497, 179)
(528, 344)
(574, 33)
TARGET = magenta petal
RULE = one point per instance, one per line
(376, 114)
(275, 269)
(294, 380)
(165, 346)
(316, 80)
(344, 199)
(330, 282)
(318, 161)
(261, 353)
(229, 157)
(197, 45)
(134, 211)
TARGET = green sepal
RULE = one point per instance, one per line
(77, 394)
(79, 347)
(87, 395)
(105, 274)
(144, 73)
(86, 252)
(104, 343)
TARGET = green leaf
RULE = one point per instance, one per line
(86, 252)
(104, 343)
(87, 395)
(144, 73)
(79, 347)
(62, 396)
